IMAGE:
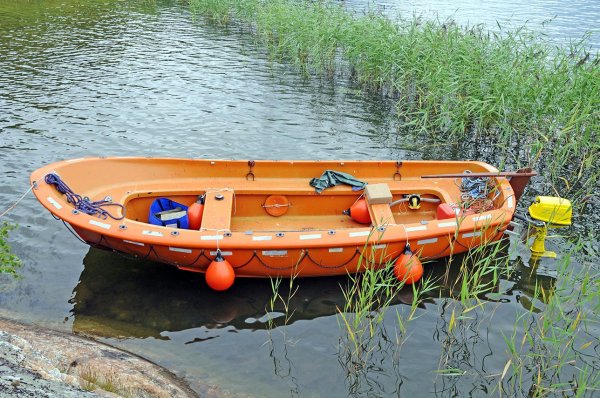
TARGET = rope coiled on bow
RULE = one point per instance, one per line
(84, 204)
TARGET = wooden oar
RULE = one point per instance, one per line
(488, 174)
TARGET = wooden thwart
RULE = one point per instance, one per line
(379, 198)
(381, 214)
(218, 207)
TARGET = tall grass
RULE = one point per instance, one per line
(281, 298)
(537, 104)
(552, 349)
(365, 341)
(9, 262)
(555, 350)
(510, 90)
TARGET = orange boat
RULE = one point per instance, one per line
(265, 219)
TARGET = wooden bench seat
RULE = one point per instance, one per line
(218, 207)
(379, 198)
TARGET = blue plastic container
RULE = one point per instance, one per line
(165, 204)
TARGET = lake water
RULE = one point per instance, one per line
(562, 22)
(107, 78)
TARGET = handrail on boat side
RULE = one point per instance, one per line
(518, 179)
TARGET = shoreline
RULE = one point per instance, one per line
(43, 362)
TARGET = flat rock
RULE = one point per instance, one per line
(38, 362)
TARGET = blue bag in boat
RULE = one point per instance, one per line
(165, 212)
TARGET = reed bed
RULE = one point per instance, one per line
(531, 103)
(552, 349)
(534, 103)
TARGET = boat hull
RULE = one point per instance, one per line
(309, 238)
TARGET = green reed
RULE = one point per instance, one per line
(536, 103)
(9, 262)
(532, 102)
(553, 351)
(282, 297)
(368, 296)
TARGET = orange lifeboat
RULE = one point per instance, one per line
(265, 219)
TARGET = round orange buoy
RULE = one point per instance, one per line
(276, 205)
(359, 212)
(220, 274)
(408, 267)
(195, 212)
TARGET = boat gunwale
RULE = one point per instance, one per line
(241, 240)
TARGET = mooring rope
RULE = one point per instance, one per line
(18, 200)
(84, 204)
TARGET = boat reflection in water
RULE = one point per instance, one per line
(121, 297)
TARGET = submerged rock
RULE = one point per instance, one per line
(46, 363)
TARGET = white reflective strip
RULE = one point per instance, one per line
(382, 246)
(361, 233)
(447, 224)
(275, 253)
(510, 202)
(133, 243)
(427, 241)
(211, 237)
(482, 217)
(419, 228)
(222, 253)
(152, 233)
(54, 202)
(264, 237)
(313, 236)
(336, 250)
(180, 250)
(472, 234)
(100, 224)
(73, 160)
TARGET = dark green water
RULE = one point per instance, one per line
(114, 78)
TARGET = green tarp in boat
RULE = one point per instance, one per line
(331, 178)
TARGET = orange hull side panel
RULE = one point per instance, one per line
(310, 237)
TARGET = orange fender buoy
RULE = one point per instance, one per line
(408, 267)
(220, 274)
(195, 212)
(359, 212)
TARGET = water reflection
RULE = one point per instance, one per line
(122, 297)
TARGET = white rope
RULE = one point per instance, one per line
(405, 232)
(20, 199)
(218, 239)
(357, 199)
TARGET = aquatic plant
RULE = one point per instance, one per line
(510, 91)
(529, 101)
(553, 347)
(368, 296)
(282, 298)
(9, 262)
